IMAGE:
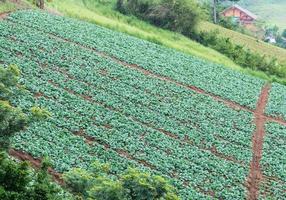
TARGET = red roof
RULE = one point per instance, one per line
(247, 12)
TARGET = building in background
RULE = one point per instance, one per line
(241, 15)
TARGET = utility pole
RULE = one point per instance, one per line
(214, 11)
(41, 4)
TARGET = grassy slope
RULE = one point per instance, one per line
(248, 41)
(7, 7)
(10, 6)
(271, 11)
(105, 16)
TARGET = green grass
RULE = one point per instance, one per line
(270, 11)
(10, 6)
(104, 15)
(251, 43)
(7, 7)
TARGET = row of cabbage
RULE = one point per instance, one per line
(276, 106)
(273, 163)
(213, 78)
(65, 74)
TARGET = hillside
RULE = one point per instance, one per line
(103, 14)
(9, 5)
(247, 41)
(271, 11)
(129, 102)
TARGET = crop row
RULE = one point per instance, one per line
(210, 77)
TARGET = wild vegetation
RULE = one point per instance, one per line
(131, 103)
(19, 181)
(98, 183)
(13, 119)
(248, 42)
(179, 16)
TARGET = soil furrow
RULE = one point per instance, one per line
(255, 174)
(36, 163)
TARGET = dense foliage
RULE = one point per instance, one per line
(13, 119)
(240, 55)
(97, 183)
(179, 16)
(19, 182)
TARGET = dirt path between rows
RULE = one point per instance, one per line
(255, 174)
(4, 15)
(36, 163)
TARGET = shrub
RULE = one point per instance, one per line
(19, 182)
(241, 56)
(13, 119)
(98, 183)
(180, 16)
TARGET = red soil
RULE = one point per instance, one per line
(255, 174)
(36, 163)
(3, 15)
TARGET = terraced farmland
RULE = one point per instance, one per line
(125, 101)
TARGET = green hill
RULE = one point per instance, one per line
(270, 11)
(103, 14)
(129, 102)
(249, 42)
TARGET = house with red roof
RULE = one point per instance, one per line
(244, 16)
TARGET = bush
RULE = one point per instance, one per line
(13, 119)
(241, 56)
(19, 182)
(180, 16)
(98, 183)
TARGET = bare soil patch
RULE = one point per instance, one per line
(255, 174)
(36, 163)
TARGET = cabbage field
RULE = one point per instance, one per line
(128, 102)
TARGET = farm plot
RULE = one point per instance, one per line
(167, 113)
(212, 78)
(277, 102)
(273, 163)
(107, 111)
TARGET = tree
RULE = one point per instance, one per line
(284, 33)
(40, 3)
(215, 5)
(177, 15)
(19, 182)
(12, 118)
(98, 183)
